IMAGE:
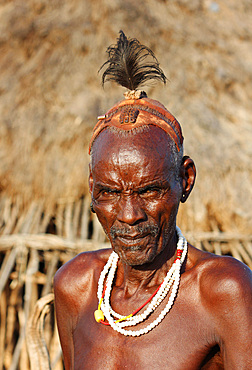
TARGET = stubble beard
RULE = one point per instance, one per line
(152, 249)
(129, 253)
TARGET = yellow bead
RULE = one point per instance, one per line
(98, 314)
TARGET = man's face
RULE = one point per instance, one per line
(135, 193)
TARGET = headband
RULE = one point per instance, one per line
(133, 113)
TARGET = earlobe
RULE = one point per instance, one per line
(189, 176)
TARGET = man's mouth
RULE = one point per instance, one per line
(132, 248)
(132, 236)
(135, 238)
(136, 242)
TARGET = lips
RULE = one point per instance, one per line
(132, 240)
(132, 236)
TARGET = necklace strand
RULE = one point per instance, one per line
(165, 286)
(160, 295)
(172, 279)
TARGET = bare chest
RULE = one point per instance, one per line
(180, 341)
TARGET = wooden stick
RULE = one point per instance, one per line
(47, 242)
(50, 273)
(11, 325)
(59, 219)
(24, 359)
(85, 218)
(235, 252)
(217, 248)
(48, 212)
(3, 311)
(207, 246)
(12, 220)
(248, 247)
(68, 221)
(244, 254)
(8, 266)
(2, 201)
(76, 218)
(32, 268)
(6, 210)
(26, 226)
(35, 223)
(198, 245)
(20, 222)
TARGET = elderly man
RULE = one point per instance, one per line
(152, 301)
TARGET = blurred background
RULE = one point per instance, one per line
(50, 97)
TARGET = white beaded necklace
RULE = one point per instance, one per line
(172, 279)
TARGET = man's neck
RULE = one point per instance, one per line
(132, 278)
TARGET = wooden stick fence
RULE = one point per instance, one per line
(69, 219)
(28, 264)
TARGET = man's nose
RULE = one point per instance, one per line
(130, 210)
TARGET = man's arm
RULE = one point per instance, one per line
(229, 302)
(64, 317)
(70, 289)
(74, 291)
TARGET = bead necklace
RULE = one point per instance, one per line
(117, 321)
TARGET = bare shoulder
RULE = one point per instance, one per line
(222, 279)
(77, 275)
(73, 288)
(81, 265)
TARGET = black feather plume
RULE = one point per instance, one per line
(129, 64)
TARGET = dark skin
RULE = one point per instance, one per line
(134, 189)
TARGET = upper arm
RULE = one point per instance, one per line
(236, 326)
(73, 289)
(64, 318)
(230, 303)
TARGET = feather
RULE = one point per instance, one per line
(131, 64)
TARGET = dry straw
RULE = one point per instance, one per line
(50, 99)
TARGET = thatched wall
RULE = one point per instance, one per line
(51, 95)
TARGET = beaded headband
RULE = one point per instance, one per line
(126, 67)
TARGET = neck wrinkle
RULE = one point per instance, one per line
(131, 279)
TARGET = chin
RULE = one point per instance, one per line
(135, 255)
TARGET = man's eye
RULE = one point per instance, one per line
(109, 193)
(150, 192)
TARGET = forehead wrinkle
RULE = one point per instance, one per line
(120, 153)
(122, 162)
(148, 172)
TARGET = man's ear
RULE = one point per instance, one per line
(90, 179)
(188, 172)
